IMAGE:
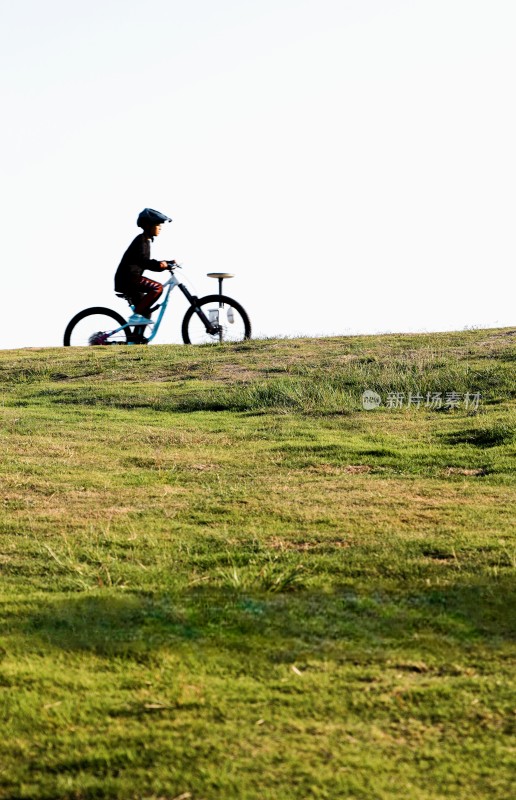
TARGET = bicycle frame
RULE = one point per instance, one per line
(169, 286)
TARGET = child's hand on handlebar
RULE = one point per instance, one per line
(163, 264)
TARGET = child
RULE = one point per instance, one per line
(141, 292)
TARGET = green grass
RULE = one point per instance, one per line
(221, 578)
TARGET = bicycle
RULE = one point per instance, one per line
(215, 318)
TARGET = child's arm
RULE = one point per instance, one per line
(146, 261)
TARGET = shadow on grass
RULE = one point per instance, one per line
(494, 435)
(304, 396)
(342, 623)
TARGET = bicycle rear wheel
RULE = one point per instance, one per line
(226, 315)
(95, 326)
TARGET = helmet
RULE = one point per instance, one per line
(149, 217)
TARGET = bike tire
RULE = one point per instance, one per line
(191, 320)
(98, 311)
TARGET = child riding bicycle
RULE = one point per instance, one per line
(141, 292)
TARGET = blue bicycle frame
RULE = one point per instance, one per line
(169, 286)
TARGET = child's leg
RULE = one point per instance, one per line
(152, 291)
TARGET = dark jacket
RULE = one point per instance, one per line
(135, 260)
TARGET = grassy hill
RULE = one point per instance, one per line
(221, 577)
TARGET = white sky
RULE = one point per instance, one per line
(352, 161)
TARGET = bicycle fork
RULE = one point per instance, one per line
(192, 299)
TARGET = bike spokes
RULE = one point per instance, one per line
(215, 322)
(97, 329)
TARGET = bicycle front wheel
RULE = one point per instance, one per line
(95, 326)
(226, 317)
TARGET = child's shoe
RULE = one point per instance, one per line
(135, 338)
(137, 319)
